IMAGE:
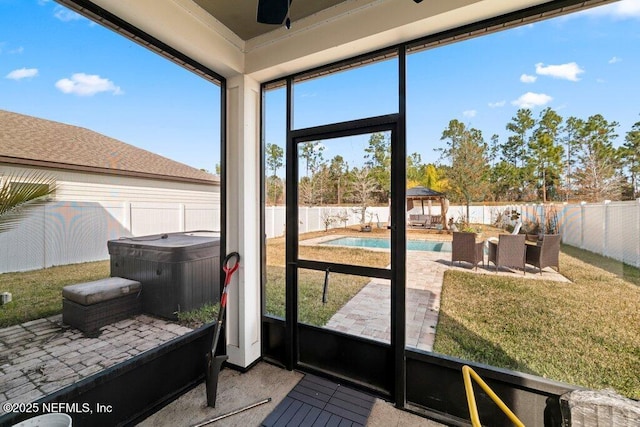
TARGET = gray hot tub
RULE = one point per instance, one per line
(178, 271)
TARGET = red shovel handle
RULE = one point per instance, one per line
(229, 270)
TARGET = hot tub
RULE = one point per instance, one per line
(178, 271)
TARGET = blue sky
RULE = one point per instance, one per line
(579, 65)
(59, 66)
(56, 65)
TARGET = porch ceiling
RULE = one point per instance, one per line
(224, 36)
(240, 15)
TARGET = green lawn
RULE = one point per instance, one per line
(583, 333)
(342, 287)
(311, 310)
(38, 293)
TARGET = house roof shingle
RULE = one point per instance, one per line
(39, 142)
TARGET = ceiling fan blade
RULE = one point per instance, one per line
(273, 11)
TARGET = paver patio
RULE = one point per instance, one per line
(367, 314)
(42, 356)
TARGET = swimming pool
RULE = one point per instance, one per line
(372, 242)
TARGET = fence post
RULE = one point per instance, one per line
(272, 212)
(181, 216)
(605, 229)
(562, 220)
(582, 216)
(638, 233)
(126, 217)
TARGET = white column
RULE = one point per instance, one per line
(243, 219)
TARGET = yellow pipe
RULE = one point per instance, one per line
(467, 374)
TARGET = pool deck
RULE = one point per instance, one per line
(368, 313)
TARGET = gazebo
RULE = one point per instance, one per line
(423, 193)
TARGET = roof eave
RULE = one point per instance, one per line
(105, 171)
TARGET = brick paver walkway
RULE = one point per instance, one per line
(368, 313)
(42, 356)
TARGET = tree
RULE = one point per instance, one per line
(597, 174)
(312, 153)
(514, 150)
(466, 153)
(432, 178)
(545, 155)
(504, 180)
(363, 187)
(339, 178)
(315, 182)
(378, 160)
(275, 189)
(20, 193)
(415, 170)
(571, 130)
(494, 149)
(630, 154)
(274, 155)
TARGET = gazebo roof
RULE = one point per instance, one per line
(424, 193)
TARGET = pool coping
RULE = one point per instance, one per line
(318, 241)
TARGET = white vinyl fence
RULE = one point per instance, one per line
(611, 229)
(72, 232)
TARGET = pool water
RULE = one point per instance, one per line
(372, 242)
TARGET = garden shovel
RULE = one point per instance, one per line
(214, 363)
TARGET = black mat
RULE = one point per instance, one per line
(316, 402)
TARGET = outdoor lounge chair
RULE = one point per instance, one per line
(516, 230)
(546, 253)
(435, 221)
(416, 220)
(465, 248)
(508, 252)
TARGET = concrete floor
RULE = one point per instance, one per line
(236, 390)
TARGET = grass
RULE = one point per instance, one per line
(341, 288)
(583, 333)
(37, 294)
(199, 316)
(311, 310)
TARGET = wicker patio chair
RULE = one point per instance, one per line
(465, 248)
(508, 252)
(545, 253)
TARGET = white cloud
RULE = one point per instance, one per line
(87, 85)
(526, 78)
(22, 73)
(568, 71)
(17, 50)
(497, 104)
(469, 113)
(614, 60)
(531, 99)
(600, 80)
(625, 9)
(66, 15)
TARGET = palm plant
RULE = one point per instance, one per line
(20, 193)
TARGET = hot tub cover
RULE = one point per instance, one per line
(167, 247)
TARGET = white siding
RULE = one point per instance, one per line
(90, 209)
